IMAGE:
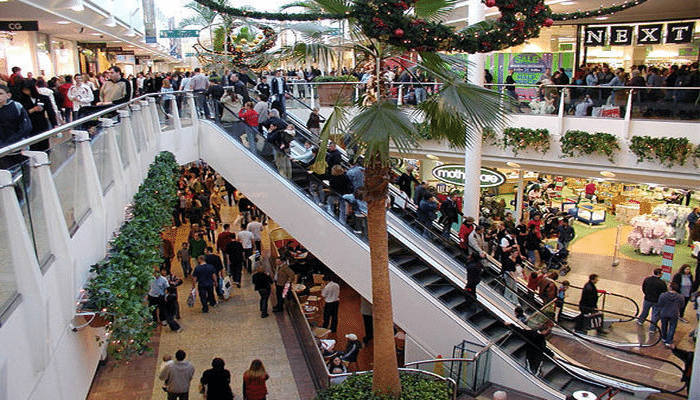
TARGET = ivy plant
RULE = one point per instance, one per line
(579, 143)
(666, 150)
(121, 282)
(488, 136)
(523, 138)
(413, 387)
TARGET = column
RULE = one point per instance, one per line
(27, 274)
(156, 125)
(56, 230)
(472, 155)
(519, 198)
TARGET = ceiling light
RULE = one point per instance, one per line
(130, 32)
(62, 22)
(96, 34)
(513, 165)
(78, 8)
(110, 21)
(601, 18)
(432, 157)
(567, 3)
(607, 174)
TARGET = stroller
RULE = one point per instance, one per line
(556, 259)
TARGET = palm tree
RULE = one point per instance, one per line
(456, 114)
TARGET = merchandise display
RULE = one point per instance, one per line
(651, 230)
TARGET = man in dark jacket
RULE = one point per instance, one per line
(333, 157)
(652, 287)
(474, 270)
(15, 124)
(449, 212)
(536, 345)
(589, 302)
(405, 181)
(670, 304)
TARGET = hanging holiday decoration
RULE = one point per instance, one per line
(239, 44)
(393, 22)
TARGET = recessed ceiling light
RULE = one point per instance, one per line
(567, 3)
(607, 174)
(601, 18)
(513, 164)
(62, 22)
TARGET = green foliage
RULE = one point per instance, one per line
(336, 78)
(121, 282)
(696, 155)
(524, 138)
(488, 136)
(219, 38)
(579, 143)
(668, 151)
(413, 387)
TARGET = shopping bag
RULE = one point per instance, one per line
(286, 290)
(593, 320)
(610, 112)
(596, 113)
(227, 288)
(192, 297)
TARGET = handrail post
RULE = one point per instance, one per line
(628, 113)
(313, 95)
(561, 113)
(399, 100)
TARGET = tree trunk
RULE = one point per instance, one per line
(386, 374)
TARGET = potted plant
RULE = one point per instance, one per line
(335, 89)
(580, 143)
(524, 138)
(413, 387)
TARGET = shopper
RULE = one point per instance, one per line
(177, 377)
(15, 124)
(331, 297)
(217, 381)
(535, 347)
(254, 386)
(38, 108)
(283, 276)
(684, 279)
(205, 279)
(652, 287)
(262, 282)
(566, 234)
(670, 305)
(474, 270)
(589, 303)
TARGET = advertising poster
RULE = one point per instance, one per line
(528, 67)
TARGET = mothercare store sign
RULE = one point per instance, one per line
(454, 175)
(527, 68)
(625, 35)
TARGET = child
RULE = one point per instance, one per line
(561, 295)
(183, 255)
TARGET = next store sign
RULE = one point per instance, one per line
(621, 35)
(454, 175)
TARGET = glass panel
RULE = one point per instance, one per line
(8, 285)
(33, 212)
(676, 103)
(100, 153)
(185, 110)
(138, 125)
(482, 370)
(164, 107)
(121, 142)
(70, 186)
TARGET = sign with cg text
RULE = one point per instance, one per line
(454, 175)
(12, 26)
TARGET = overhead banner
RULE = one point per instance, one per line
(621, 35)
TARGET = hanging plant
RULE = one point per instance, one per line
(579, 143)
(696, 156)
(488, 136)
(523, 138)
(121, 282)
(666, 150)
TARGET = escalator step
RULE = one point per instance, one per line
(454, 300)
(427, 278)
(440, 290)
(497, 332)
(558, 378)
(403, 261)
(513, 346)
(483, 321)
(414, 269)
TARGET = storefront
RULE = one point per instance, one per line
(36, 52)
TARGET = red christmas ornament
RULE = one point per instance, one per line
(398, 32)
(402, 5)
(519, 25)
(548, 22)
(490, 3)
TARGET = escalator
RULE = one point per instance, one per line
(415, 274)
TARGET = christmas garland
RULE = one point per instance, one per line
(391, 22)
(237, 12)
(241, 54)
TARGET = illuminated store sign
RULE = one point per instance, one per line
(454, 175)
(621, 35)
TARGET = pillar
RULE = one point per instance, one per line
(472, 155)
(519, 198)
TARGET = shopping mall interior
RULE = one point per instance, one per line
(619, 164)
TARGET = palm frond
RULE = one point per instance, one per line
(461, 110)
(434, 10)
(334, 6)
(335, 124)
(377, 126)
(314, 52)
